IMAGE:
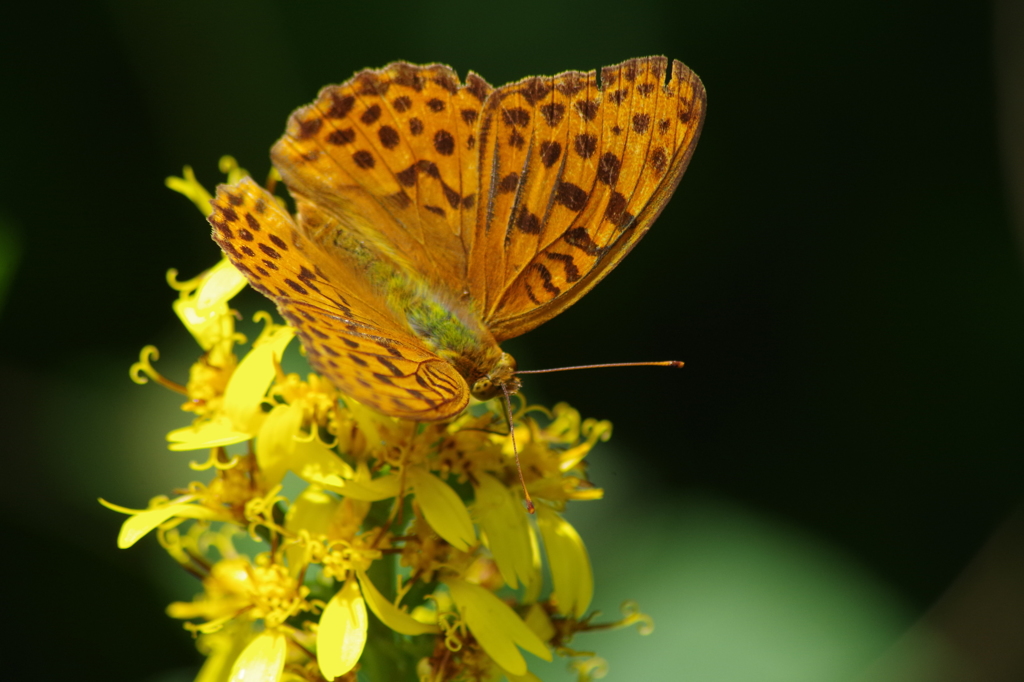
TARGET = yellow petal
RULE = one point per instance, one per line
(190, 187)
(276, 442)
(571, 574)
(443, 508)
(282, 446)
(222, 649)
(595, 431)
(502, 517)
(375, 425)
(262, 660)
(496, 626)
(311, 511)
(138, 525)
(204, 311)
(391, 615)
(222, 283)
(118, 508)
(533, 588)
(252, 378)
(209, 434)
(207, 325)
(312, 459)
(368, 490)
(342, 633)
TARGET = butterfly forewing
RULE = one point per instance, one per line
(349, 332)
(392, 153)
(637, 134)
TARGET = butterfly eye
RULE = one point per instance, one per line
(484, 388)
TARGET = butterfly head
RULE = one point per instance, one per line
(503, 374)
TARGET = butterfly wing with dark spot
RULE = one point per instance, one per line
(572, 176)
(392, 154)
(349, 333)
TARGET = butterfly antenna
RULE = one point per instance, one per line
(512, 432)
(663, 363)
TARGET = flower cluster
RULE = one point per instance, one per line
(319, 510)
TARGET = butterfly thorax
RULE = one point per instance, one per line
(453, 331)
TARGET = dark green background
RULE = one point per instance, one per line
(838, 267)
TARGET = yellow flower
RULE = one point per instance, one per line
(236, 588)
(262, 660)
(323, 493)
(342, 632)
(238, 416)
(288, 437)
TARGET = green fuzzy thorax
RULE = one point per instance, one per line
(431, 319)
(447, 329)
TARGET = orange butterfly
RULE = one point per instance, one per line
(436, 219)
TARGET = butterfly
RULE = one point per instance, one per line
(435, 219)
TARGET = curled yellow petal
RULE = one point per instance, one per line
(496, 626)
(342, 633)
(502, 517)
(262, 660)
(391, 615)
(443, 508)
(594, 431)
(190, 187)
(571, 574)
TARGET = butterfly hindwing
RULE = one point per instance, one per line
(349, 333)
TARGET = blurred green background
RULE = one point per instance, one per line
(839, 270)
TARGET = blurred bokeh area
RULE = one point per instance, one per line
(829, 491)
